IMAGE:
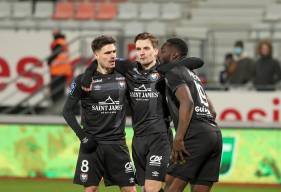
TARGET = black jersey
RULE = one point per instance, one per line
(103, 112)
(181, 75)
(146, 98)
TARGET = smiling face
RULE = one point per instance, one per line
(106, 56)
(146, 53)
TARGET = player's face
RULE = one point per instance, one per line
(106, 56)
(165, 55)
(146, 53)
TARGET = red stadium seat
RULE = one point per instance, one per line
(64, 10)
(106, 11)
(85, 11)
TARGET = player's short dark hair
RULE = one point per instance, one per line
(146, 35)
(179, 44)
(101, 41)
(239, 44)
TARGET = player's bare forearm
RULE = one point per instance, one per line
(185, 110)
(185, 113)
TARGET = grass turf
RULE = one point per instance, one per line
(27, 185)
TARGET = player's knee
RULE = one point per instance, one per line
(200, 188)
(151, 188)
(128, 189)
(91, 189)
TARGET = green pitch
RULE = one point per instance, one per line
(66, 186)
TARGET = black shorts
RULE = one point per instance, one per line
(151, 154)
(203, 164)
(110, 161)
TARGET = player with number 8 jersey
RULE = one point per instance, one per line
(103, 151)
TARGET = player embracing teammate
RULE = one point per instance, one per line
(147, 92)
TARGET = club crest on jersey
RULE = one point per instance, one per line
(84, 177)
(122, 84)
(154, 76)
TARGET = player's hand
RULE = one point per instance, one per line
(179, 151)
(87, 89)
(88, 144)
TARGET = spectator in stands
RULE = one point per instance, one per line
(60, 67)
(268, 70)
(228, 60)
(240, 71)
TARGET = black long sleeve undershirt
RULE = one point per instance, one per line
(69, 116)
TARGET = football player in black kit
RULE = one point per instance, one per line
(197, 146)
(103, 150)
(150, 146)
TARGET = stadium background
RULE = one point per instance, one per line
(38, 150)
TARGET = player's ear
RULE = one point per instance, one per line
(96, 55)
(156, 50)
(175, 55)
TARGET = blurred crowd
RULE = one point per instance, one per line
(263, 72)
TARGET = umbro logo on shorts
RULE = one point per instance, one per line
(155, 173)
(155, 160)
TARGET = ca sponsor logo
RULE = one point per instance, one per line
(155, 174)
(128, 167)
(155, 160)
(84, 177)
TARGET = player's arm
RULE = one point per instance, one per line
(189, 62)
(121, 65)
(211, 108)
(124, 65)
(185, 113)
(88, 144)
(69, 116)
(69, 108)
